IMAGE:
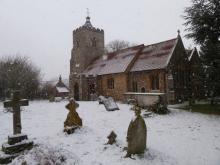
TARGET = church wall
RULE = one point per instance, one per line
(197, 77)
(120, 85)
(180, 69)
(84, 51)
(144, 80)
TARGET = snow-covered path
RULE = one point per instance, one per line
(178, 138)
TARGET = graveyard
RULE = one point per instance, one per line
(180, 137)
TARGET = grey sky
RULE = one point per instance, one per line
(42, 29)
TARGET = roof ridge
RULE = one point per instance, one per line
(121, 50)
(161, 42)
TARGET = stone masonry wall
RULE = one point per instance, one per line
(143, 79)
(120, 85)
(83, 53)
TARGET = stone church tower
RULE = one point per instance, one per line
(88, 44)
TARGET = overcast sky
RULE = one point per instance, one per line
(42, 29)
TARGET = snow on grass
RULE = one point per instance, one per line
(178, 138)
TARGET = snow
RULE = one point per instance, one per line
(62, 89)
(6, 145)
(138, 93)
(179, 138)
(155, 56)
(15, 136)
(111, 64)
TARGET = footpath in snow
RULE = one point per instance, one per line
(179, 138)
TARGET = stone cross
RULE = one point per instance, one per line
(15, 103)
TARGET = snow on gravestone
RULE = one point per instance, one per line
(110, 104)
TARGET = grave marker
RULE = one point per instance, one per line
(17, 142)
(15, 104)
(136, 134)
(110, 104)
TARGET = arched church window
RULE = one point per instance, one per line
(143, 90)
(134, 86)
(155, 82)
(110, 83)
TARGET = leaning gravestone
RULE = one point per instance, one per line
(136, 134)
(110, 104)
(73, 121)
(17, 142)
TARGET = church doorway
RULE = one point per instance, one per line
(92, 88)
(92, 92)
(76, 91)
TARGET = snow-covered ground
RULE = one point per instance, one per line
(180, 138)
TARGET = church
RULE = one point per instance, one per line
(162, 67)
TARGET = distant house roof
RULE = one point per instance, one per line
(155, 56)
(62, 89)
(116, 62)
(60, 83)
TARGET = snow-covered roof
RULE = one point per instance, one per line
(155, 56)
(138, 93)
(116, 62)
(62, 89)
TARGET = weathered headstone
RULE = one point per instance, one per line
(112, 138)
(73, 121)
(110, 104)
(17, 142)
(136, 134)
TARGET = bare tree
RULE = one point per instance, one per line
(18, 73)
(116, 45)
(47, 90)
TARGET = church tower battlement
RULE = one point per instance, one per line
(88, 44)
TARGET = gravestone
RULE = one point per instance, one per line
(112, 138)
(101, 99)
(110, 104)
(73, 121)
(17, 142)
(136, 134)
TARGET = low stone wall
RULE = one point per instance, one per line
(144, 99)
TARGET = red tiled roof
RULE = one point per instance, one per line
(116, 62)
(155, 56)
